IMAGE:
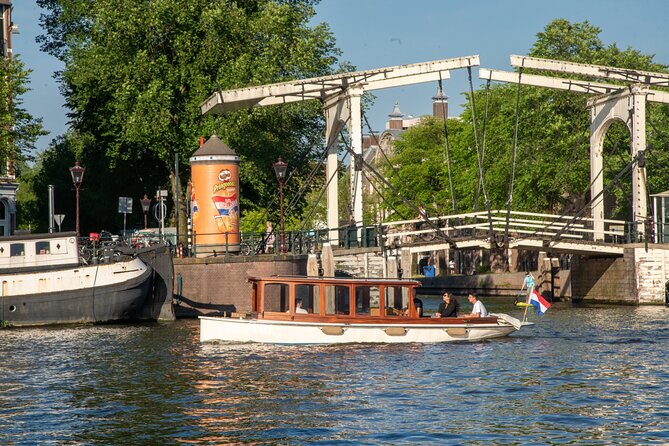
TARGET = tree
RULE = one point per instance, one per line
(137, 71)
(419, 169)
(18, 129)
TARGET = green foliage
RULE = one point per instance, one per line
(18, 129)
(28, 211)
(422, 175)
(137, 71)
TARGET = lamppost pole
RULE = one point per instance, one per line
(146, 204)
(280, 169)
(77, 173)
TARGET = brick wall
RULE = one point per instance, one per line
(639, 277)
(220, 284)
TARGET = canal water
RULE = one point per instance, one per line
(588, 374)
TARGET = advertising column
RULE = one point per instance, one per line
(215, 198)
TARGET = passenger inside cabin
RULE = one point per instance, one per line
(449, 307)
(478, 309)
(298, 307)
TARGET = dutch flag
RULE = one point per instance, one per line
(538, 301)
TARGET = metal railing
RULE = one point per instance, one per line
(472, 225)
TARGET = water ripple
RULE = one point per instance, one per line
(593, 375)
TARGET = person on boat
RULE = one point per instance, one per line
(529, 284)
(418, 304)
(449, 307)
(298, 307)
(478, 309)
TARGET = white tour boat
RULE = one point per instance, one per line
(309, 310)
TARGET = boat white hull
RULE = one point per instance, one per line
(284, 332)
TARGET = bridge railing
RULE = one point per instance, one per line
(459, 227)
(521, 225)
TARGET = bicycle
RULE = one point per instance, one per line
(247, 247)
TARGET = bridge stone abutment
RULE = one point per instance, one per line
(638, 278)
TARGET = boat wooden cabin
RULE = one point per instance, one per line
(333, 298)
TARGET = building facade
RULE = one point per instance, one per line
(8, 184)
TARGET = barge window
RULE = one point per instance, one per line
(337, 299)
(367, 300)
(310, 297)
(276, 297)
(17, 249)
(42, 248)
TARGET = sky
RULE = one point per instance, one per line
(382, 33)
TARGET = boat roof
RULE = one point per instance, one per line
(40, 236)
(338, 280)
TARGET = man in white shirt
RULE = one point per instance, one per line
(478, 309)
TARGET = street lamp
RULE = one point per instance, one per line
(77, 178)
(146, 204)
(280, 169)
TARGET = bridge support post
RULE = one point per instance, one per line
(355, 131)
(336, 115)
(630, 108)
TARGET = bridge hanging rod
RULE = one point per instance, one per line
(599, 71)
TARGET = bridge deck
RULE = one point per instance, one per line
(525, 230)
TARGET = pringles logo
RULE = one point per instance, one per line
(224, 175)
(225, 178)
(223, 186)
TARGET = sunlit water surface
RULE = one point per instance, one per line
(587, 375)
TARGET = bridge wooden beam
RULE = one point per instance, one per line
(326, 86)
(566, 84)
(568, 247)
(598, 71)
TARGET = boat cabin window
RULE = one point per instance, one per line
(17, 249)
(367, 300)
(276, 297)
(337, 299)
(310, 297)
(42, 248)
(397, 298)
